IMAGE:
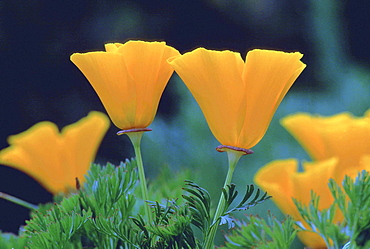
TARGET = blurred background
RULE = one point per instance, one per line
(38, 82)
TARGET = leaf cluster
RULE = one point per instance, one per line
(106, 213)
(352, 200)
(258, 233)
(230, 193)
(170, 229)
(58, 227)
(9, 240)
(96, 216)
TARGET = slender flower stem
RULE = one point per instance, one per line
(233, 157)
(135, 138)
(18, 201)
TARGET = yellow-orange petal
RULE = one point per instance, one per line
(112, 47)
(352, 169)
(282, 180)
(129, 79)
(365, 163)
(107, 74)
(267, 76)
(341, 135)
(214, 79)
(276, 179)
(31, 150)
(80, 145)
(303, 128)
(315, 177)
(312, 240)
(238, 99)
(147, 64)
(55, 159)
(349, 140)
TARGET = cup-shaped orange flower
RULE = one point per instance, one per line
(283, 182)
(238, 98)
(339, 144)
(129, 79)
(55, 159)
(342, 136)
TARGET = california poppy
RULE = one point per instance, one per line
(339, 146)
(129, 79)
(238, 98)
(342, 136)
(55, 159)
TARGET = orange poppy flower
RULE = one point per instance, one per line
(238, 98)
(340, 146)
(56, 159)
(129, 79)
(343, 136)
(293, 184)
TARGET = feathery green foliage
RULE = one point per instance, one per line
(9, 240)
(259, 233)
(354, 203)
(59, 227)
(231, 193)
(352, 199)
(106, 213)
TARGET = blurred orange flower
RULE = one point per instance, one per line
(283, 182)
(342, 136)
(129, 79)
(56, 159)
(340, 145)
(238, 98)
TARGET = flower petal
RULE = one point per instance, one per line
(276, 179)
(341, 135)
(129, 79)
(146, 62)
(312, 240)
(214, 79)
(268, 75)
(303, 128)
(36, 152)
(80, 142)
(315, 177)
(55, 159)
(282, 180)
(110, 79)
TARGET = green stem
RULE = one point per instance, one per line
(135, 138)
(18, 201)
(233, 157)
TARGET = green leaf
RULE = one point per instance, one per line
(262, 234)
(109, 194)
(58, 227)
(9, 240)
(171, 227)
(353, 201)
(199, 202)
(244, 205)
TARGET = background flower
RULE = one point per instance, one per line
(339, 146)
(56, 159)
(129, 79)
(342, 136)
(283, 181)
(238, 98)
